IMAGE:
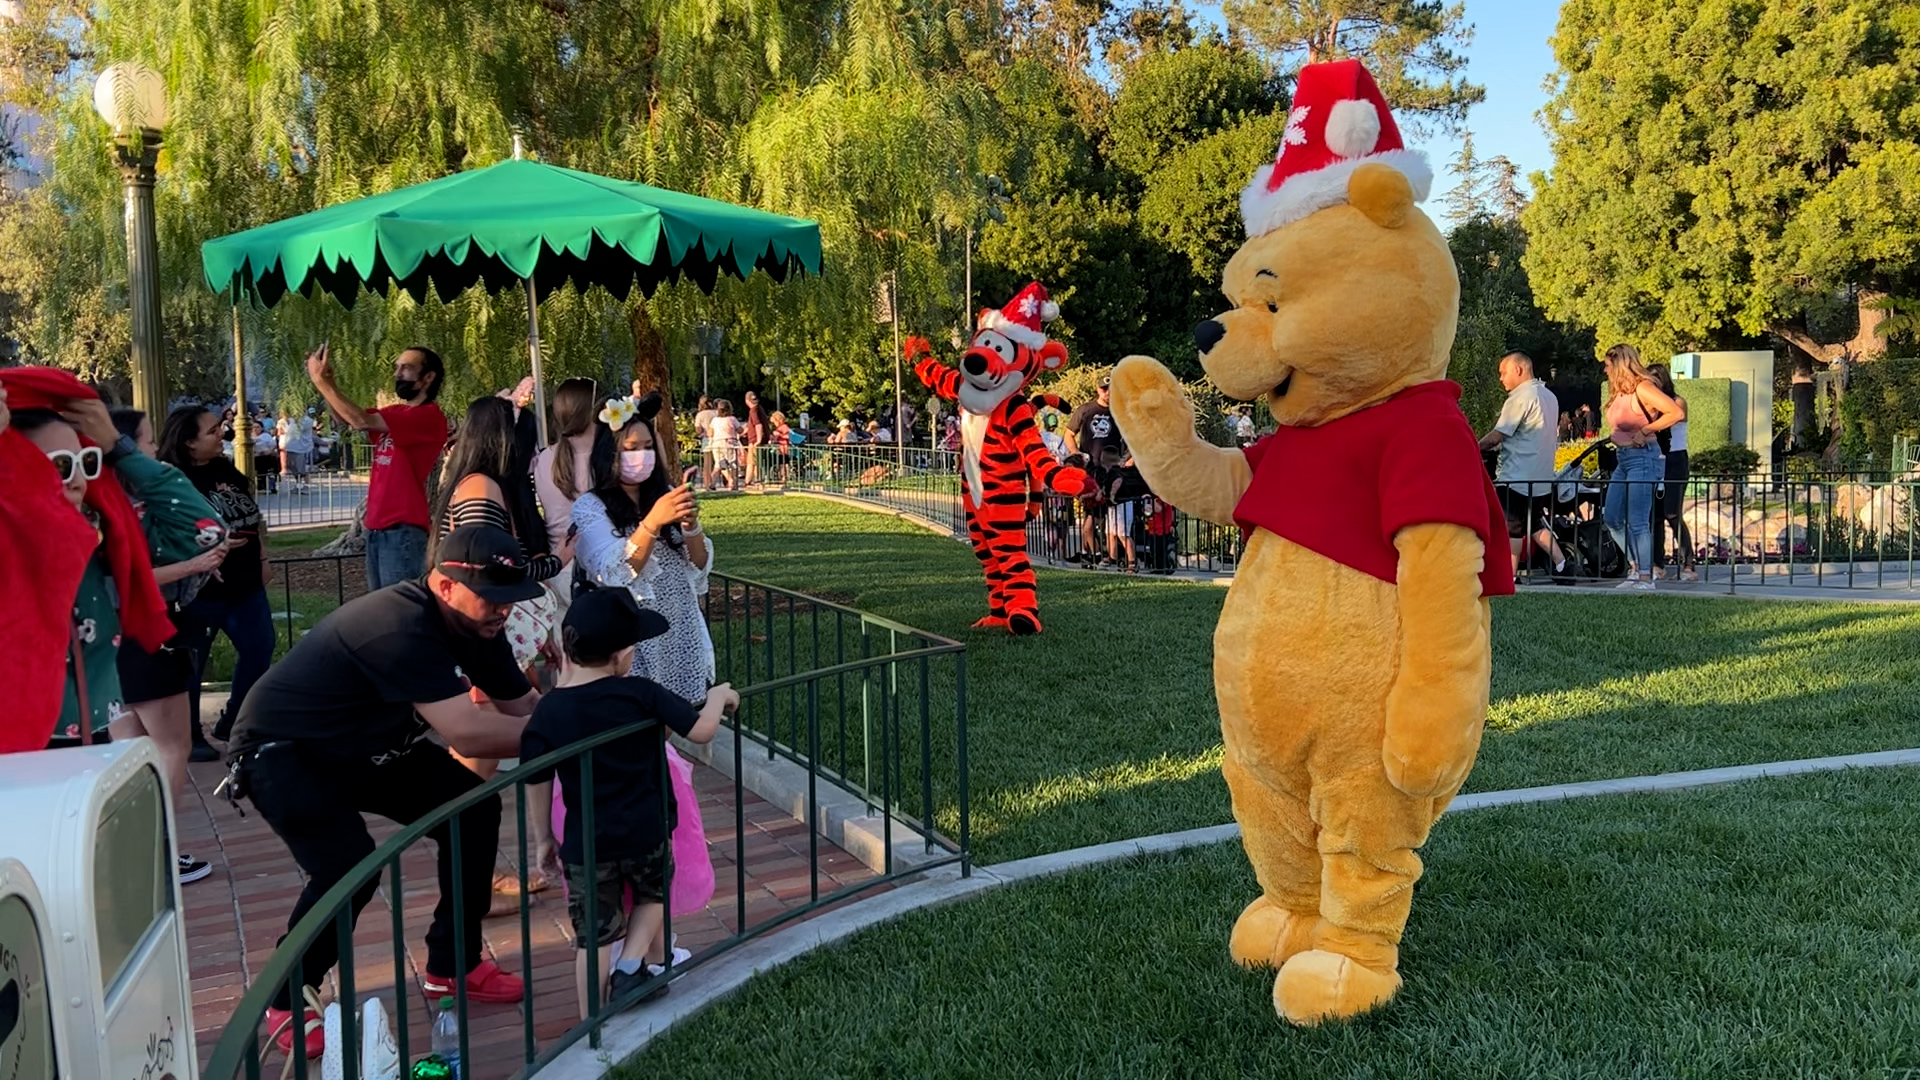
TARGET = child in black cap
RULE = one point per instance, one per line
(632, 813)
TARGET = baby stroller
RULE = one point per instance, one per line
(1574, 517)
(1576, 520)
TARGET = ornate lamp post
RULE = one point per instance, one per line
(133, 101)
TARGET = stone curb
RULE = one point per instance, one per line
(630, 1032)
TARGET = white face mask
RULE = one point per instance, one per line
(635, 466)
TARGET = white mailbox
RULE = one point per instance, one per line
(93, 950)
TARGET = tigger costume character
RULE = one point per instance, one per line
(1000, 445)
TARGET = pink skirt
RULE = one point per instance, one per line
(692, 887)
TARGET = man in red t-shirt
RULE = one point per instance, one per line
(407, 440)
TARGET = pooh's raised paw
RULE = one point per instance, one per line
(1267, 935)
(1318, 985)
(1149, 404)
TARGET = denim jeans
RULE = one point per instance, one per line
(1630, 495)
(395, 554)
(248, 623)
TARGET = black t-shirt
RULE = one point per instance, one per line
(1094, 430)
(232, 497)
(1128, 484)
(628, 806)
(348, 688)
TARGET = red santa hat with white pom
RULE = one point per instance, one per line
(1340, 121)
(1020, 320)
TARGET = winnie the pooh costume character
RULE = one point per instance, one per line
(1352, 657)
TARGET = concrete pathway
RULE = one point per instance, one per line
(235, 917)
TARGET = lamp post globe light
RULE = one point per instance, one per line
(133, 101)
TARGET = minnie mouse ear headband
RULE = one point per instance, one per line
(620, 411)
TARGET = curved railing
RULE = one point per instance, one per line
(801, 664)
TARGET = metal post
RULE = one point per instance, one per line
(966, 304)
(137, 159)
(704, 357)
(242, 440)
(899, 387)
(533, 355)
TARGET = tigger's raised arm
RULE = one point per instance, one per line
(942, 380)
(1048, 473)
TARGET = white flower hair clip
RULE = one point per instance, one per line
(618, 412)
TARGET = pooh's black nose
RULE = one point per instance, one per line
(1208, 334)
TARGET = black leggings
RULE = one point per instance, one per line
(1667, 511)
(314, 803)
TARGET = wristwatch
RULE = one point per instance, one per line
(122, 447)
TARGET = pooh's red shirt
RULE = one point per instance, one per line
(1343, 489)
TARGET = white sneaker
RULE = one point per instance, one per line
(1636, 583)
(379, 1056)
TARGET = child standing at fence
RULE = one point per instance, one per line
(632, 815)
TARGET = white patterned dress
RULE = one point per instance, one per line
(682, 658)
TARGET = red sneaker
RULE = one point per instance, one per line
(280, 1023)
(486, 982)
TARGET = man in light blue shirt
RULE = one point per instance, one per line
(1525, 435)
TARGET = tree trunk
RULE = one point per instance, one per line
(1867, 340)
(650, 373)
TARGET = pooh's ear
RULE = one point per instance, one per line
(1382, 193)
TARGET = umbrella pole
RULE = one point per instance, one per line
(242, 441)
(533, 354)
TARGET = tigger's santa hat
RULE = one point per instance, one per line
(1340, 121)
(1021, 319)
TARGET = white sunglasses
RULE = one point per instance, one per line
(87, 460)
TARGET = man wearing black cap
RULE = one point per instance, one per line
(341, 726)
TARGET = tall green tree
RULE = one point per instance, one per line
(281, 106)
(1498, 315)
(1412, 47)
(1729, 169)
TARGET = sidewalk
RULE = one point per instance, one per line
(235, 917)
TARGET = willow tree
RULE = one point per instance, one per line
(282, 106)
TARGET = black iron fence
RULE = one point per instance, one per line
(856, 701)
(1812, 530)
(1781, 528)
(1062, 531)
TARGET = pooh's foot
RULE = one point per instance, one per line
(1023, 622)
(1319, 985)
(1268, 935)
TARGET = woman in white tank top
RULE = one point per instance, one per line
(1669, 509)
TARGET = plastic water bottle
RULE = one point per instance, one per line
(446, 1038)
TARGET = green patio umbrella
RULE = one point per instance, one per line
(518, 224)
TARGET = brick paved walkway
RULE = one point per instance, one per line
(235, 916)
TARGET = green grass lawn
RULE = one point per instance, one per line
(1760, 930)
(1105, 726)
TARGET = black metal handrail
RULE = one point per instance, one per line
(890, 745)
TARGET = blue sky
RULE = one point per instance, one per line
(1510, 57)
